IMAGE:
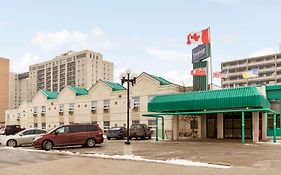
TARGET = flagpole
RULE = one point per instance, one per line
(211, 69)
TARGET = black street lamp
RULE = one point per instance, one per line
(128, 78)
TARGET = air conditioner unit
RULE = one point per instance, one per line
(136, 108)
(70, 112)
(61, 112)
(106, 108)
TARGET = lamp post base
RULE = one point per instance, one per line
(127, 143)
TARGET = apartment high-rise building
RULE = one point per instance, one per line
(19, 89)
(269, 70)
(81, 69)
(4, 87)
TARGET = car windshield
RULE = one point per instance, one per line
(136, 126)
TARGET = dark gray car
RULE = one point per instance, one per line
(116, 132)
(140, 131)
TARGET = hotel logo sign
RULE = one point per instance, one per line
(200, 53)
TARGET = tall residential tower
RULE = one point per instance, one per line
(4, 87)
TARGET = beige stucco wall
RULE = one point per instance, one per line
(145, 87)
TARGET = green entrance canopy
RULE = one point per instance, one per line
(230, 98)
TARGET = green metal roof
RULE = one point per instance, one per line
(114, 86)
(79, 91)
(230, 98)
(50, 94)
(273, 92)
(161, 80)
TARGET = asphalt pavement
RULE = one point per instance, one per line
(242, 159)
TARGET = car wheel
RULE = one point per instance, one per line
(12, 143)
(47, 145)
(130, 138)
(91, 142)
(108, 138)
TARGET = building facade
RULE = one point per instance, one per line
(19, 89)
(104, 103)
(269, 71)
(82, 69)
(4, 88)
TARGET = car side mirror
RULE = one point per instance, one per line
(21, 134)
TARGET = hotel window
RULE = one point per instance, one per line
(71, 106)
(61, 107)
(106, 105)
(106, 125)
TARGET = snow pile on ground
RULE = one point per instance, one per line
(169, 161)
(270, 142)
(126, 157)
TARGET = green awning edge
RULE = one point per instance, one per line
(230, 98)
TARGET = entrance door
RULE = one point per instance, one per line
(212, 127)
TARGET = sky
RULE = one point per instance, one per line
(144, 36)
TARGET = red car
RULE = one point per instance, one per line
(67, 135)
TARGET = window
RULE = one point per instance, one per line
(194, 124)
(43, 125)
(61, 107)
(78, 128)
(61, 123)
(39, 131)
(35, 108)
(106, 125)
(93, 104)
(106, 105)
(43, 108)
(35, 125)
(94, 122)
(92, 128)
(29, 132)
(71, 106)
(62, 130)
(270, 121)
(136, 102)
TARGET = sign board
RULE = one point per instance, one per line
(200, 83)
(200, 53)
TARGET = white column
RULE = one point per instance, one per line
(202, 126)
(220, 125)
(255, 126)
(175, 127)
(264, 127)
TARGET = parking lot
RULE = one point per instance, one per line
(225, 152)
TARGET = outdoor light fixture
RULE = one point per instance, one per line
(128, 77)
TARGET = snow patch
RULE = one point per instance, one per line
(126, 157)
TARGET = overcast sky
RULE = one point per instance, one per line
(141, 35)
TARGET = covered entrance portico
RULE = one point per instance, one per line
(225, 113)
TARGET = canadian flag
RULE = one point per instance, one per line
(201, 37)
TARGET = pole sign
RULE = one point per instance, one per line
(200, 53)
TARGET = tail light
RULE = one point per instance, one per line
(100, 132)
